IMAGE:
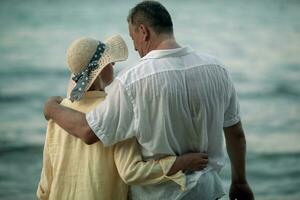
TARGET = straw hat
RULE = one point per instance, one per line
(84, 51)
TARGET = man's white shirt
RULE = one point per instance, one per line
(173, 101)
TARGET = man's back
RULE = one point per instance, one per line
(174, 101)
(181, 101)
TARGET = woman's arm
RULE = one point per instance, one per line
(44, 186)
(134, 171)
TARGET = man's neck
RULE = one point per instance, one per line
(163, 41)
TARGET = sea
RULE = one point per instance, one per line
(258, 41)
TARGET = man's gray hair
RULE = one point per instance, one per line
(152, 14)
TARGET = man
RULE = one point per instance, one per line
(173, 101)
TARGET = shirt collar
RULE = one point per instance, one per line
(155, 54)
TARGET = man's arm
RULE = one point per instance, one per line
(72, 121)
(236, 148)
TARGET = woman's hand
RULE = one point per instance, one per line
(189, 161)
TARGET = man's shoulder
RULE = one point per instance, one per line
(208, 59)
(147, 67)
(131, 74)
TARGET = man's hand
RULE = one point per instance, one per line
(240, 191)
(49, 103)
(189, 161)
(236, 148)
(72, 121)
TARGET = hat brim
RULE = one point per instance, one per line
(115, 50)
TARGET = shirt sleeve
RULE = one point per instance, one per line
(232, 112)
(113, 119)
(134, 171)
(44, 186)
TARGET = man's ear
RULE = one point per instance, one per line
(145, 31)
